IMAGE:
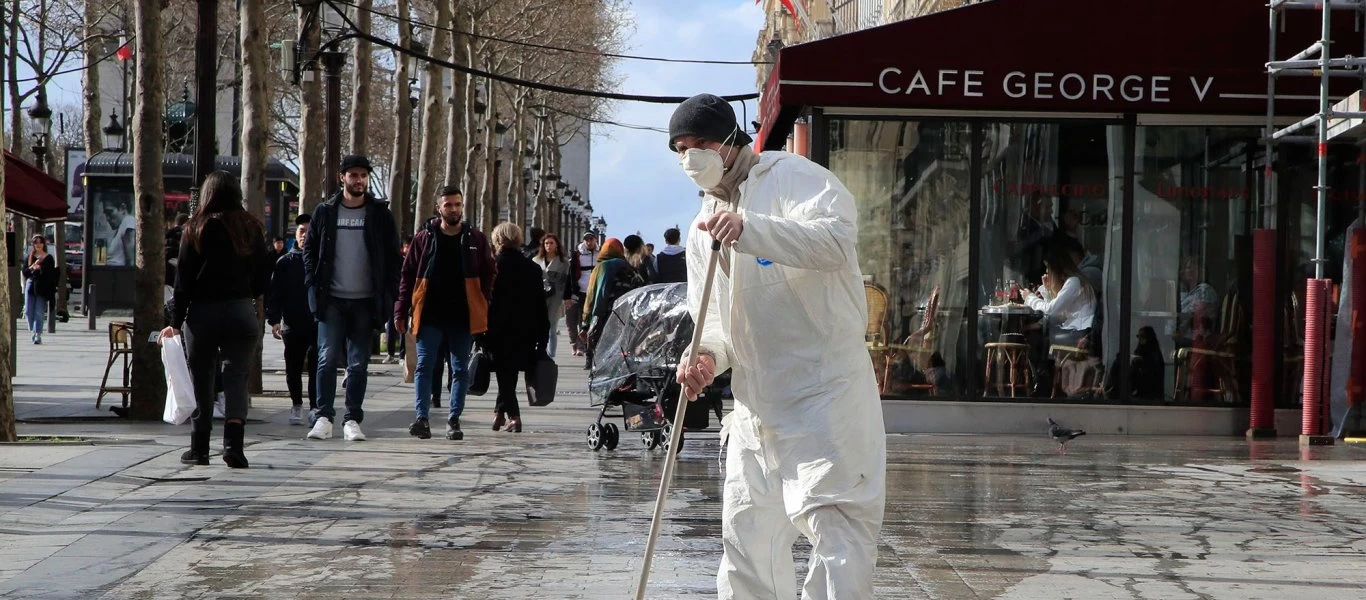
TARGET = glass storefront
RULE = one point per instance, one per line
(994, 257)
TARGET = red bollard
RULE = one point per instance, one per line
(1263, 422)
(1317, 301)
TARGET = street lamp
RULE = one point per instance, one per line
(500, 130)
(43, 116)
(113, 134)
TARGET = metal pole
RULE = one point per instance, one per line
(1322, 188)
(90, 305)
(332, 65)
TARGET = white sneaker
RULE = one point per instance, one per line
(352, 433)
(322, 429)
(296, 415)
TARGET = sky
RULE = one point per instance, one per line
(636, 183)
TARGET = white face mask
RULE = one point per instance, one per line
(704, 167)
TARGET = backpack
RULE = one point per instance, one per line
(627, 279)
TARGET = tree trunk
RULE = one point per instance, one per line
(149, 376)
(255, 126)
(16, 115)
(312, 129)
(399, 196)
(430, 164)
(362, 61)
(487, 206)
(7, 432)
(469, 154)
(455, 126)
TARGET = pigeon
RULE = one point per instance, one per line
(1062, 435)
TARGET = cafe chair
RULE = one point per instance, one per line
(1219, 352)
(120, 348)
(1069, 358)
(1010, 362)
(875, 334)
(920, 345)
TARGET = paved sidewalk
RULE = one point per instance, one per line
(538, 515)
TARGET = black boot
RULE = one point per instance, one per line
(232, 445)
(198, 454)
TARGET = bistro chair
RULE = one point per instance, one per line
(875, 334)
(1066, 358)
(1010, 361)
(120, 348)
(920, 345)
(1220, 354)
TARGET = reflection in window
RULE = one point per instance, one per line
(114, 229)
(1051, 215)
(911, 182)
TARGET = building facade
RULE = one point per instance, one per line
(1109, 146)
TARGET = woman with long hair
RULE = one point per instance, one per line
(557, 284)
(638, 257)
(612, 277)
(1065, 298)
(40, 269)
(517, 322)
(224, 268)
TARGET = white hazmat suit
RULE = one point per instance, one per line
(806, 444)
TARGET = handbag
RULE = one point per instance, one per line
(540, 381)
(180, 401)
(479, 369)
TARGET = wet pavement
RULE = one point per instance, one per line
(539, 515)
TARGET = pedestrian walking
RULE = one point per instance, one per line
(638, 256)
(40, 287)
(223, 270)
(806, 443)
(557, 286)
(517, 322)
(351, 266)
(672, 261)
(292, 322)
(611, 278)
(582, 263)
(447, 280)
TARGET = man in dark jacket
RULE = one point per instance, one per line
(351, 265)
(291, 320)
(671, 264)
(446, 283)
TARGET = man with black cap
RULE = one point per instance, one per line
(351, 265)
(806, 445)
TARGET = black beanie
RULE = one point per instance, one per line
(708, 117)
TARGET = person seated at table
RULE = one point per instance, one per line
(1199, 305)
(1147, 368)
(1066, 299)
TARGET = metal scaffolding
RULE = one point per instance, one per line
(1345, 121)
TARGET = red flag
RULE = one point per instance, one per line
(791, 9)
(124, 52)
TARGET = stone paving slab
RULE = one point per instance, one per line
(538, 515)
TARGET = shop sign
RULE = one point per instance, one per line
(1042, 85)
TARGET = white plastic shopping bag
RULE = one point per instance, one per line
(180, 403)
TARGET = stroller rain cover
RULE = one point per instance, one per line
(645, 337)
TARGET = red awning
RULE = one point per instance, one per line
(1191, 57)
(31, 192)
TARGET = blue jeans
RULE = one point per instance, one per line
(35, 308)
(429, 341)
(346, 328)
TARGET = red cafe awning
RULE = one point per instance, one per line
(31, 192)
(1193, 57)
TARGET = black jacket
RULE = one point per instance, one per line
(381, 240)
(44, 277)
(288, 298)
(518, 325)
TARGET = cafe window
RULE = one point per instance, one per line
(911, 181)
(1050, 248)
(113, 228)
(1191, 298)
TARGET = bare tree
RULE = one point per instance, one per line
(94, 47)
(7, 432)
(430, 164)
(361, 59)
(399, 194)
(255, 93)
(149, 381)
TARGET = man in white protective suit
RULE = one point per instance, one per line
(805, 446)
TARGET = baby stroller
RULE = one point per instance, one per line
(634, 367)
